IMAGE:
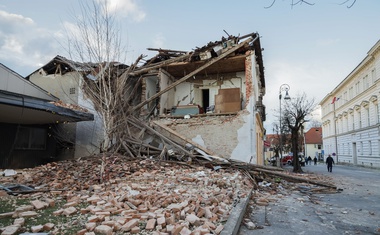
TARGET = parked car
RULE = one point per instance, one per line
(287, 160)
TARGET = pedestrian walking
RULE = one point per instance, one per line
(309, 160)
(315, 160)
(329, 163)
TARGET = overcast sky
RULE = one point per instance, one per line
(311, 48)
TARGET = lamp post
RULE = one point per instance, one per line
(286, 88)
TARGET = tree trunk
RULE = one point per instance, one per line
(296, 163)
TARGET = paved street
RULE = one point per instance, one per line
(355, 210)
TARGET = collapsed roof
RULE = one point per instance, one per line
(227, 55)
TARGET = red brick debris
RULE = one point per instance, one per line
(116, 194)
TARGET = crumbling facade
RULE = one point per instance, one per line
(213, 99)
(208, 101)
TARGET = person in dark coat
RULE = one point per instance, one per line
(315, 160)
(309, 160)
(329, 163)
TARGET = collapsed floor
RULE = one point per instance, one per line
(113, 194)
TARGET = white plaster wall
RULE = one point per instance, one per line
(87, 135)
(166, 99)
(150, 90)
(312, 150)
(58, 85)
(247, 149)
(184, 94)
(354, 118)
(217, 133)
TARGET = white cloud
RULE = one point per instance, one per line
(14, 18)
(11, 23)
(12, 45)
(24, 44)
(127, 8)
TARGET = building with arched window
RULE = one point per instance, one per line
(350, 115)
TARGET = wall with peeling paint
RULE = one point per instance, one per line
(166, 99)
(238, 136)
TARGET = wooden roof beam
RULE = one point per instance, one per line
(210, 62)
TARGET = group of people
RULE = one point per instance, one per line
(308, 160)
(329, 162)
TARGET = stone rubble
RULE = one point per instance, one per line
(131, 195)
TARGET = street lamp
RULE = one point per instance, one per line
(286, 88)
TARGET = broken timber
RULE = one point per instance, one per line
(212, 61)
(298, 179)
(140, 124)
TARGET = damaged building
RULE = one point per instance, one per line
(207, 101)
(30, 122)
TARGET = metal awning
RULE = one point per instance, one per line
(20, 109)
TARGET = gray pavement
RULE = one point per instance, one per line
(355, 210)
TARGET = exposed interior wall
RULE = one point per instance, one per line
(239, 136)
(150, 89)
(184, 94)
(166, 99)
(201, 90)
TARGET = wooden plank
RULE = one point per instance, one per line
(298, 179)
(158, 65)
(133, 119)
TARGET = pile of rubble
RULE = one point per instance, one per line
(114, 195)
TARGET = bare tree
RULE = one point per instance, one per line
(293, 3)
(96, 43)
(315, 123)
(282, 146)
(295, 115)
(276, 144)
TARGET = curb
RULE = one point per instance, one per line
(234, 220)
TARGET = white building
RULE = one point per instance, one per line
(62, 78)
(350, 115)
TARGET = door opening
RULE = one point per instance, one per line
(205, 99)
(354, 154)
